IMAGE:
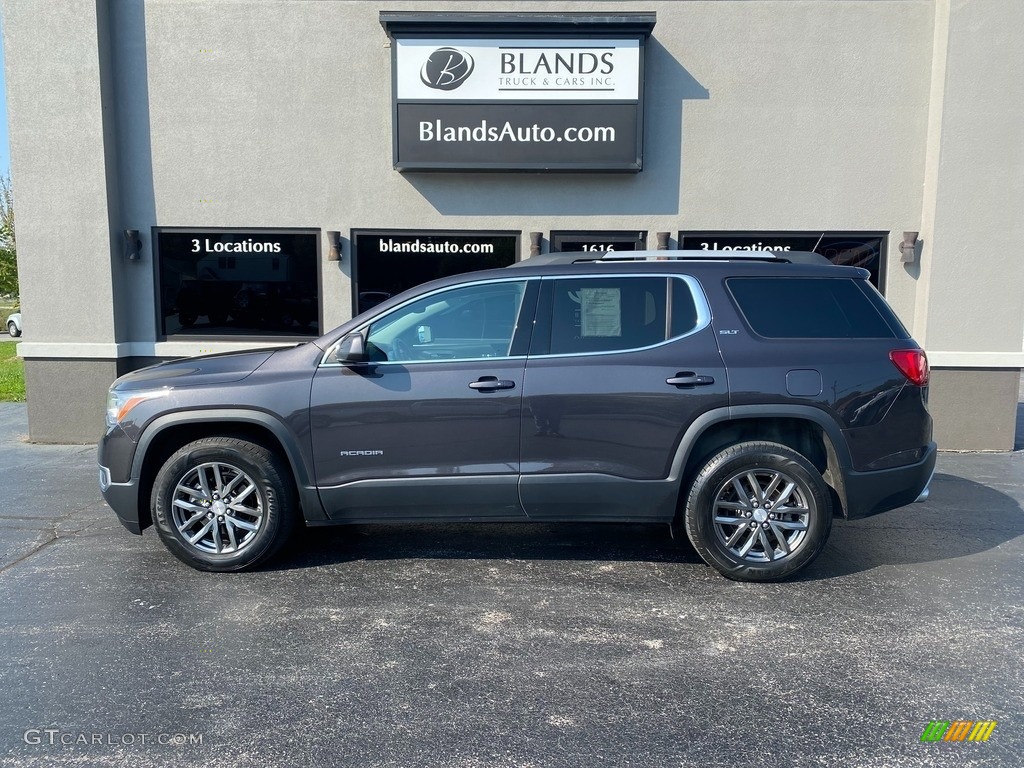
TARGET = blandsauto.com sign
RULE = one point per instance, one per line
(535, 103)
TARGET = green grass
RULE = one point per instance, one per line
(12, 374)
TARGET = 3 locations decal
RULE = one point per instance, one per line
(518, 104)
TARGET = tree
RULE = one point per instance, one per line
(8, 245)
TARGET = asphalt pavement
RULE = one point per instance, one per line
(504, 646)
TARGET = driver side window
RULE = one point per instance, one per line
(465, 323)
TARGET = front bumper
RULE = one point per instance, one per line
(120, 490)
(123, 498)
(869, 493)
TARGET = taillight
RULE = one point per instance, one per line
(913, 363)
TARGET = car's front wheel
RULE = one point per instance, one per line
(13, 329)
(758, 511)
(223, 504)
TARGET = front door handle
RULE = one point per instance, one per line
(491, 383)
(689, 379)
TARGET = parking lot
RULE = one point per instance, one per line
(506, 645)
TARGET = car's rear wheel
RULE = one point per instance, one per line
(223, 504)
(13, 329)
(758, 511)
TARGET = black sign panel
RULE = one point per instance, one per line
(856, 249)
(517, 91)
(238, 282)
(389, 261)
(518, 136)
(600, 242)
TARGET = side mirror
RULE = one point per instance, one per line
(351, 350)
(424, 334)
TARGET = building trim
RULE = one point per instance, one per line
(41, 350)
(484, 22)
(976, 359)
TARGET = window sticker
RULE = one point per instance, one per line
(600, 312)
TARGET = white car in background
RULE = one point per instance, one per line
(14, 324)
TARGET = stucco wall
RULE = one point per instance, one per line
(813, 115)
(975, 302)
(59, 170)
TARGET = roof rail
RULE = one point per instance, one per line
(590, 257)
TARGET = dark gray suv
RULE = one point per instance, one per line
(749, 398)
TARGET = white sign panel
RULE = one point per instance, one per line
(468, 69)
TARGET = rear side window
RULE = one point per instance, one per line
(884, 309)
(607, 314)
(808, 308)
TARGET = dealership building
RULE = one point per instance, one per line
(197, 177)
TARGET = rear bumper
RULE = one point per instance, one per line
(869, 493)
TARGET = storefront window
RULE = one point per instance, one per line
(387, 262)
(599, 242)
(238, 282)
(855, 249)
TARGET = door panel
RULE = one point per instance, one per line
(385, 438)
(429, 426)
(613, 415)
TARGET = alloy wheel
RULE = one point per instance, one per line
(761, 515)
(217, 508)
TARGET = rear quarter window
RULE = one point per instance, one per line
(808, 308)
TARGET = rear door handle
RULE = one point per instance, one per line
(689, 379)
(491, 383)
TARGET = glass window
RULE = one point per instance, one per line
(387, 262)
(614, 313)
(808, 308)
(855, 249)
(466, 323)
(597, 242)
(684, 309)
(238, 283)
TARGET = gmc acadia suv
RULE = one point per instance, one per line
(749, 398)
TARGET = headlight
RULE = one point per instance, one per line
(120, 404)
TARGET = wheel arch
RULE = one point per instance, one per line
(168, 433)
(807, 430)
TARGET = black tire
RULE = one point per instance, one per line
(13, 330)
(747, 541)
(241, 484)
(187, 319)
